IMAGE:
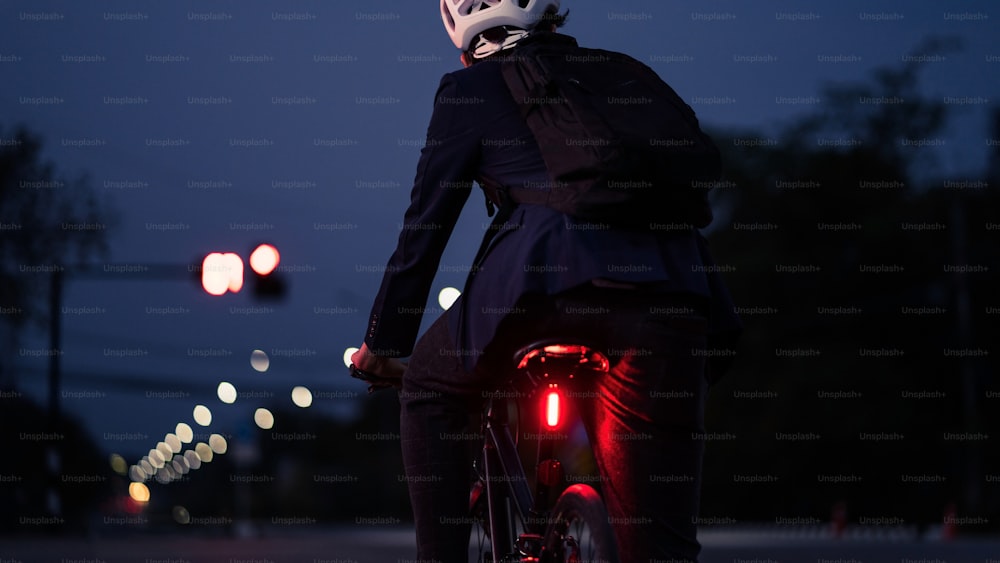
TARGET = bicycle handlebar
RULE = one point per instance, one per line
(376, 382)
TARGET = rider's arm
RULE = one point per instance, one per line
(442, 185)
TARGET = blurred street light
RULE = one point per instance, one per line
(223, 272)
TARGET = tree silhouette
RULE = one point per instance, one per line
(850, 257)
(47, 222)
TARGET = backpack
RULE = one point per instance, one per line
(620, 145)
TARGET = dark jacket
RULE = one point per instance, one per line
(476, 132)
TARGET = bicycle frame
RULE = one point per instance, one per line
(505, 479)
(544, 366)
(501, 459)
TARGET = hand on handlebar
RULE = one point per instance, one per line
(377, 371)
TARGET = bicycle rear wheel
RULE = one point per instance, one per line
(480, 542)
(479, 537)
(579, 530)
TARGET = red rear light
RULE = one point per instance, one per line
(552, 406)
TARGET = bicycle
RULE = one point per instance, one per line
(510, 522)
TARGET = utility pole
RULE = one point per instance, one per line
(54, 415)
(968, 371)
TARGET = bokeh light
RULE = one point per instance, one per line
(215, 274)
(166, 474)
(447, 297)
(221, 273)
(218, 443)
(202, 415)
(181, 515)
(193, 461)
(173, 442)
(118, 464)
(347, 356)
(138, 491)
(135, 473)
(259, 360)
(164, 450)
(301, 396)
(263, 418)
(156, 458)
(180, 465)
(204, 452)
(264, 259)
(184, 432)
(234, 264)
(147, 467)
(227, 392)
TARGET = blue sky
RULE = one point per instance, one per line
(216, 125)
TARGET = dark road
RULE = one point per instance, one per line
(346, 545)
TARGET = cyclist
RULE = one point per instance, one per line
(650, 298)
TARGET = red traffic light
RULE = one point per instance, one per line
(222, 272)
(264, 259)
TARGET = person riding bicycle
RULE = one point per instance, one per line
(649, 298)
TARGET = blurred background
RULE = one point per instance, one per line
(857, 226)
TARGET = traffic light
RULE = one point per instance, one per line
(264, 259)
(268, 283)
(223, 272)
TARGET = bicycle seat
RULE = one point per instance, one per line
(556, 357)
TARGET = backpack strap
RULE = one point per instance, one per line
(504, 206)
(493, 193)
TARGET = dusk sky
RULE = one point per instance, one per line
(212, 126)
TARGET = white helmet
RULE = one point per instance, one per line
(465, 19)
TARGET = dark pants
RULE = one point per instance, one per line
(645, 420)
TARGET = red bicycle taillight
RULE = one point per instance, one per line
(552, 407)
